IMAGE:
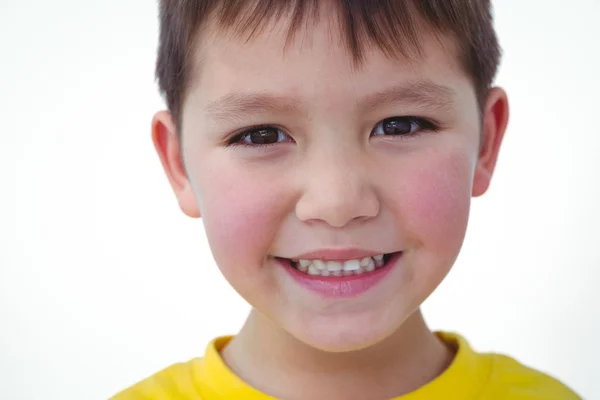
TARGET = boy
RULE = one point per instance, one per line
(332, 148)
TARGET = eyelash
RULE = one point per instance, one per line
(424, 126)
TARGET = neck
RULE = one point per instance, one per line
(274, 362)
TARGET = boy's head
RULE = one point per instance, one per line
(359, 128)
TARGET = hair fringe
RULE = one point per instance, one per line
(393, 26)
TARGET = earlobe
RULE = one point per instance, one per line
(495, 120)
(166, 143)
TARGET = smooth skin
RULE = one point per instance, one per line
(332, 179)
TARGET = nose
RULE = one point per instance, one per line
(337, 191)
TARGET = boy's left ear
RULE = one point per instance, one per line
(495, 120)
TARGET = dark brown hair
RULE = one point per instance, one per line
(391, 25)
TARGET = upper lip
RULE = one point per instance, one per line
(337, 254)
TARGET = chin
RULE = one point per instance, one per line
(343, 334)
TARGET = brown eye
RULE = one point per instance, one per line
(263, 136)
(397, 127)
(402, 126)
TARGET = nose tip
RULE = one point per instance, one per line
(337, 187)
(339, 205)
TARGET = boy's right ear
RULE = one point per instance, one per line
(166, 143)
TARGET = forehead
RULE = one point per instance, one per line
(315, 63)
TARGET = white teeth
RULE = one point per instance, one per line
(303, 268)
(337, 268)
(352, 265)
(334, 266)
(371, 266)
(312, 270)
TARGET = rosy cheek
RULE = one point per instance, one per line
(240, 213)
(436, 201)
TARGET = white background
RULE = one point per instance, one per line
(103, 281)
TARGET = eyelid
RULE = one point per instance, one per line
(235, 139)
(425, 125)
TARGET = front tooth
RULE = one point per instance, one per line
(334, 266)
(378, 257)
(336, 273)
(352, 265)
(324, 272)
(304, 263)
(365, 261)
(319, 264)
(312, 270)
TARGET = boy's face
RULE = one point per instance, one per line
(330, 176)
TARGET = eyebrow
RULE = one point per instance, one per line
(234, 106)
(422, 94)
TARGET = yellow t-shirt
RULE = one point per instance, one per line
(470, 376)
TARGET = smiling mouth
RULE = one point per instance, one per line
(354, 267)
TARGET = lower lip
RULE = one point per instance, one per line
(343, 286)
